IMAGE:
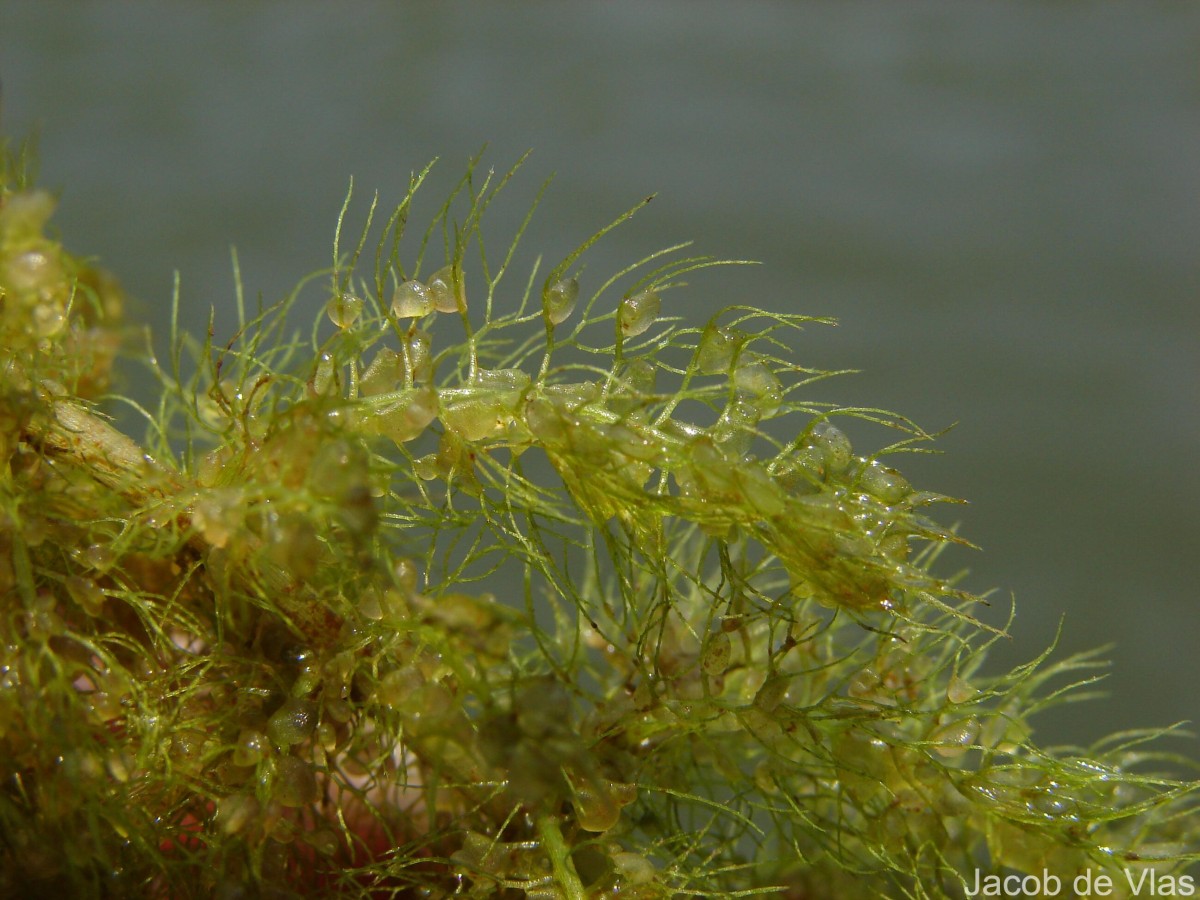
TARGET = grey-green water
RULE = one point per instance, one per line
(1000, 202)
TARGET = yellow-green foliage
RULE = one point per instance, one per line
(496, 590)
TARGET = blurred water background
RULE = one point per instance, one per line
(1000, 202)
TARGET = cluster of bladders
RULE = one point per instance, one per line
(840, 523)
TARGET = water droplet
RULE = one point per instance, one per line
(344, 309)
(638, 312)
(411, 300)
(558, 300)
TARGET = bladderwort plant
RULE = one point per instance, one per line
(499, 585)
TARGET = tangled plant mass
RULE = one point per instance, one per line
(494, 589)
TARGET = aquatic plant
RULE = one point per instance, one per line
(491, 584)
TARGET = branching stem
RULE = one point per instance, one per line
(560, 857)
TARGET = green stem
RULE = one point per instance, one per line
(560, 858)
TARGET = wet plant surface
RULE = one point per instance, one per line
(498, 584)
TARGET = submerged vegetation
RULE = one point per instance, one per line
(498, 584)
